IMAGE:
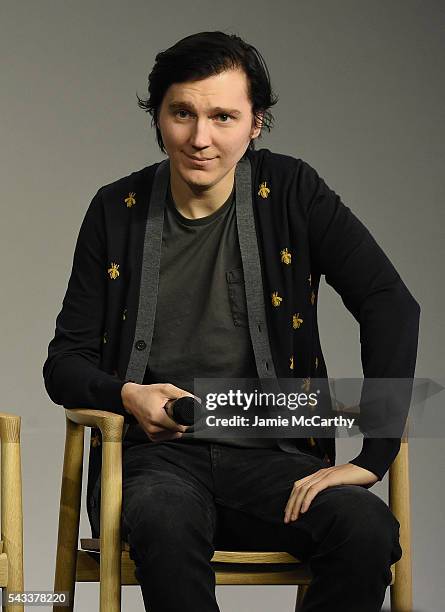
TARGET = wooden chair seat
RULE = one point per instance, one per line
(222, 556)
(231, 567)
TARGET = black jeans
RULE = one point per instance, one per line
(184, 499)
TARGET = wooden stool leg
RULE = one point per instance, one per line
(69, 514)
(301, 592)
(110, 521)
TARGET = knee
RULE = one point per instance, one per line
(366, 520)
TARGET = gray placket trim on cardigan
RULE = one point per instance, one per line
(254, 287)
(252, 270)
(151, 264)
(148, 290)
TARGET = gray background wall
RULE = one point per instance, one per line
(361, 99)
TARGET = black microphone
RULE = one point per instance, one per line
(183, 410)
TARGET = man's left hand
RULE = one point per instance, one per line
(305, 489)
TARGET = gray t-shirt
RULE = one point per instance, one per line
(201, 326)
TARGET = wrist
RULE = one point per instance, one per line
(127, 394)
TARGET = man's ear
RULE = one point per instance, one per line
(257, 125)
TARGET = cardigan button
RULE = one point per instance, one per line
(141, 345)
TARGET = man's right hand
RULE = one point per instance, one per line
(146, 403)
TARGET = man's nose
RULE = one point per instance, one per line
(200, 136)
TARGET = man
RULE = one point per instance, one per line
(207, 265)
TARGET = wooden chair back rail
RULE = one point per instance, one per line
(107, 560)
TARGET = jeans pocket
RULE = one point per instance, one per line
(237, 297)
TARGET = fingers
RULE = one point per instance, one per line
(303, 492)
(173, 392)
(169, 405)
(164, 422)
(157, 424)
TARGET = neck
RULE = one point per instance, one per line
(195, 202)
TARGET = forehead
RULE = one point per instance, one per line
(227, 88)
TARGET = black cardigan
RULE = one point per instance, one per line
(294, 209)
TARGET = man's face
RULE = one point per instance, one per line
(209, 119)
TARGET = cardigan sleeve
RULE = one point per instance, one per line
(355, 266)
(71, 371)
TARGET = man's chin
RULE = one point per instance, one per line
(197, 177)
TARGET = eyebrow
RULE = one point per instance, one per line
(179, 104)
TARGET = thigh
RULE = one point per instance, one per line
(166, 485)
(339, 513)
(148, 463)
(239, 531)
(259, 481)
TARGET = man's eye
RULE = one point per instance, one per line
(220, 115)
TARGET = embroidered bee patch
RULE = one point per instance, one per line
(276, 299)
(306, 384)
(95, 440)
(286, 257)
(114, 270)
(130, 200)
(296, 321)
(264, 190)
